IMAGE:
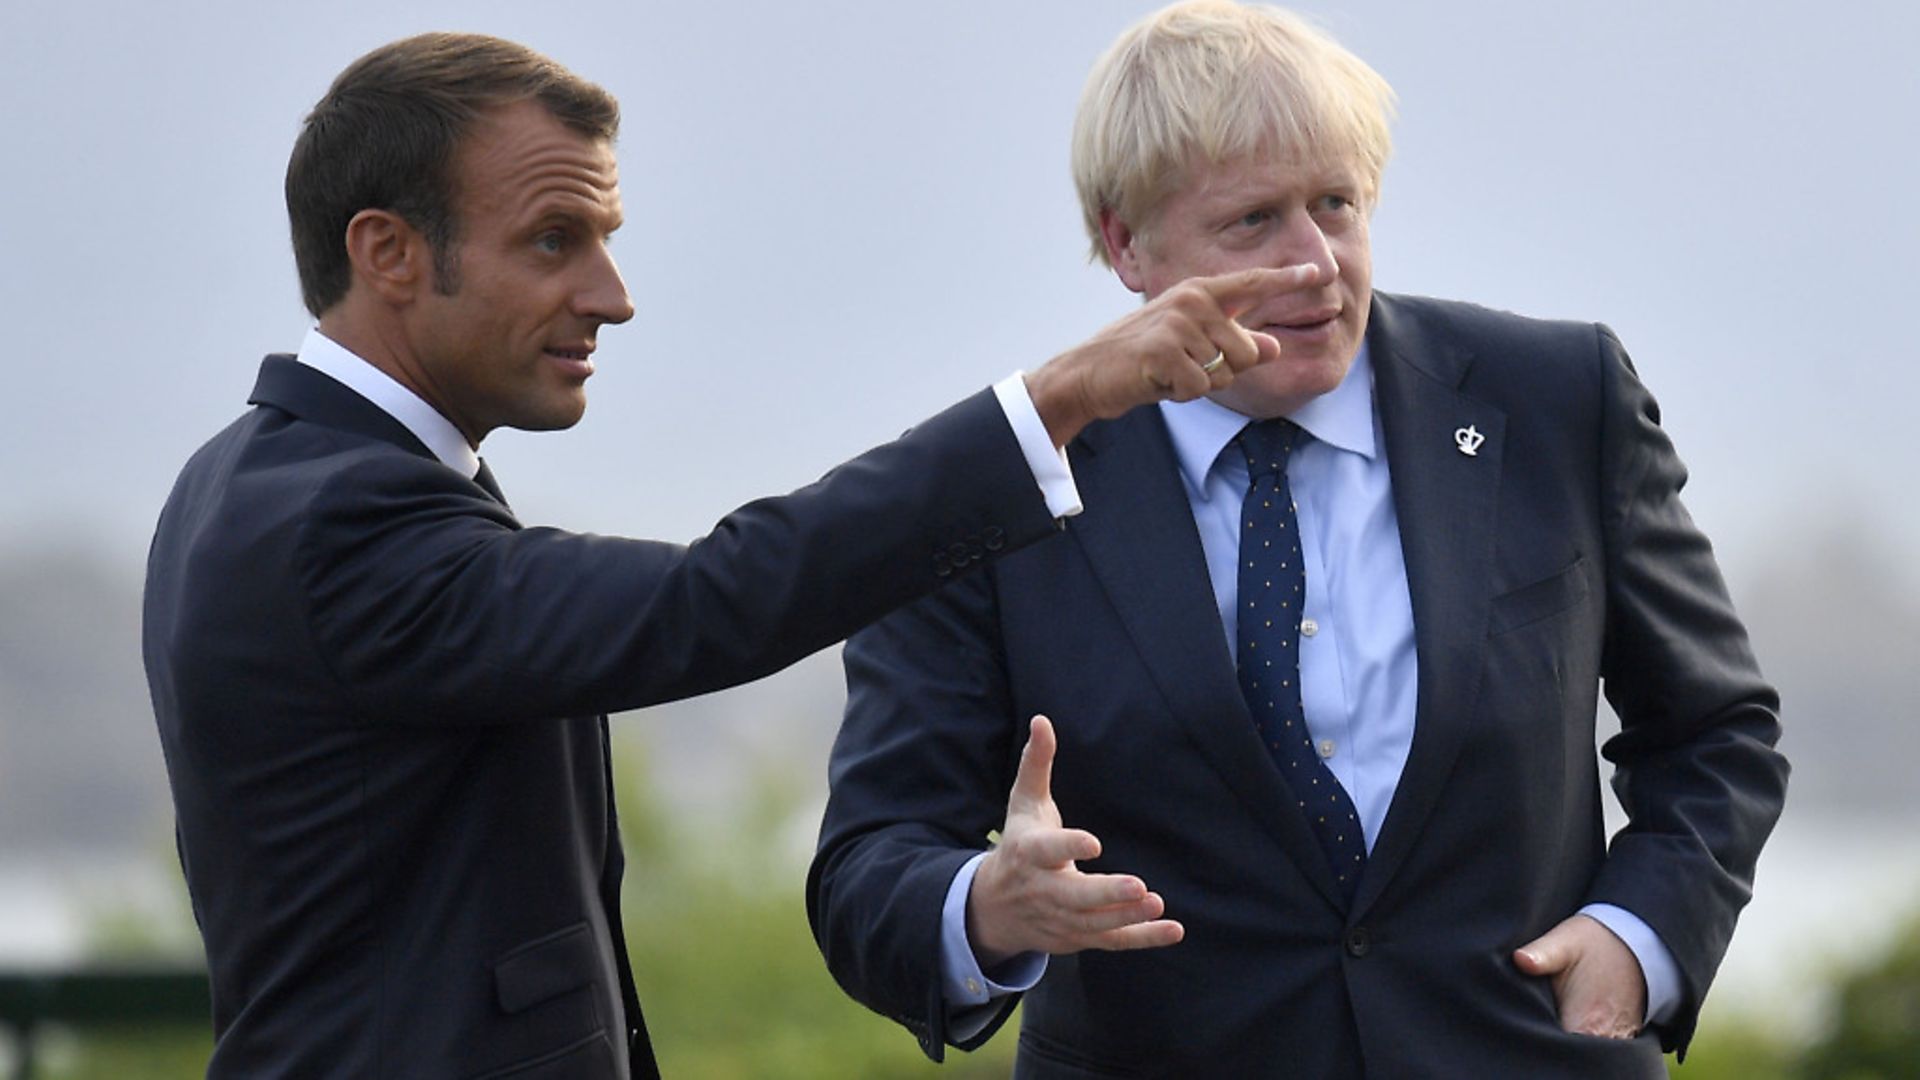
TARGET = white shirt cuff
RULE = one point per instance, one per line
(1048, 462)
(965, 984)
(1656, 961)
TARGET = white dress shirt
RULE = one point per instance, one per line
(434, 431)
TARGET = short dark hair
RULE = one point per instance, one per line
(386, 134)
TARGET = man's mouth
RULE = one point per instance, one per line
(1306, 323)
(576, 360)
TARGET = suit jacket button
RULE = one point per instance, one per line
(994, 538)
(1359, 942)
(941, 567)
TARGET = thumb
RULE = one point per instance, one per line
(1267, 345)
(1034, 782)
(1547, 954)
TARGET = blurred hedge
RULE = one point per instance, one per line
(732, 983)
(735, 989)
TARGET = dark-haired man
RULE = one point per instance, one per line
(381, 699)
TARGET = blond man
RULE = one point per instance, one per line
(1319, 794)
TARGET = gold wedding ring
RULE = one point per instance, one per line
(1213, 365)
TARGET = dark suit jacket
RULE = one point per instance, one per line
(380, 696)
(1557, 558)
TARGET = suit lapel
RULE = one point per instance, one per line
(1138, 535)
(1446, 501)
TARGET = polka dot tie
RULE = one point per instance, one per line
(1273, 590)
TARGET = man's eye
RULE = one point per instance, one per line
(551, 242)
(1254, 218)
(1335, 203)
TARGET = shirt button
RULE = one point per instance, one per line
(1327, 747)
(973, 987)
(1309, 627)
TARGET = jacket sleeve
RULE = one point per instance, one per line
(1696, 769)
(920, 773)
(430, 604)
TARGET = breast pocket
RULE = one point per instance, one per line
(1541, 600)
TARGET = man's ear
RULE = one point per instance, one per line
(1123, 249)
(389, 256)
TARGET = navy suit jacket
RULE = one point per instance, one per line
(381, 700)
(1555, 560)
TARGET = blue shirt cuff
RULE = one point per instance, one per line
(1656, 962)
(962, 980)
(1048, 462)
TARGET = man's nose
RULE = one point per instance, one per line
(1303, 242)
(603, 296)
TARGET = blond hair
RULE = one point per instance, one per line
(1217, 81)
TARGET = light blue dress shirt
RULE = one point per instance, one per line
(1358, 670)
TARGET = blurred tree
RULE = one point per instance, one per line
(1737, 1049)
(733, 985)
(736, 990)
(1874, 1031)
(130, 1052)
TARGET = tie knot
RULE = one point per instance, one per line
(1267, 445)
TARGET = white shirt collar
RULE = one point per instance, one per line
(436, 432)
(1342, 418)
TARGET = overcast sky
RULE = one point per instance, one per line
(843, 215)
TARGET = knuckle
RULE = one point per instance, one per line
(1189, 299)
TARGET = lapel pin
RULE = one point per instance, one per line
(1468, 440)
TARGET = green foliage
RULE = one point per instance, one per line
(165, 1052)
(733, 985)
(735, 989)
(1872, 1030)
(716, 924)
(1875, 1027)
(1739, 1049)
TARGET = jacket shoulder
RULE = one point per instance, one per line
(1483, 329)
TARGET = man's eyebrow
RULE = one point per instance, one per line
(542, 216)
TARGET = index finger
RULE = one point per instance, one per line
(1242, 290)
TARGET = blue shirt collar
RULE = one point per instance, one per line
(1342, 418)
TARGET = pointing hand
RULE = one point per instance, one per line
(1181, 345)
(1029, 896)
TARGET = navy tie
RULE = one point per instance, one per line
(485, 479)
(1273, 590)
